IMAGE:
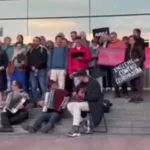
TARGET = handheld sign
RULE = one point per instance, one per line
(147, 58)
(126, 72)
(110, 56)
(100, 32)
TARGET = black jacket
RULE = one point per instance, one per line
(140, 42)
(136, 52)
(37, 58)
(94, 98)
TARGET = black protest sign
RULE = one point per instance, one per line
(100, 31)
(126, 72)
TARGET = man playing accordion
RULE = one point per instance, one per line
(86, 98)
(14, 110)
(53, 103)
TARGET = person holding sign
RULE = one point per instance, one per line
(136, 53)
(116, 43)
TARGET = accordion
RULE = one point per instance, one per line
(56, 100)
(14, 101)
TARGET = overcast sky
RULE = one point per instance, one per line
(50, 8)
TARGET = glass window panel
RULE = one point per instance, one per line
(123, 25)
(57, 8)
(50, 28)
(13, 8)
(13, 28)
(101, 7)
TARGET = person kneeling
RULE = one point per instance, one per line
(14, 110)
(89, 99)
(49, 117)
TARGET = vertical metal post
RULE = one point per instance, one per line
(89, 16)
(27, 21)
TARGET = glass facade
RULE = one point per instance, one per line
(48, 17)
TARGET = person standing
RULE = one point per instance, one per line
(57, 63)
(85, 42)
(136, 53)
(8, 48)
(95, 71)
(139, 39)
(37, 63)
(73, 35)
(116, 43)
(20, 39)
(78, 58)
(3, 76)
(19, 62)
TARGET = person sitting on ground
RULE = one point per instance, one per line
(91, 101)
(47, 120)
(15, 110)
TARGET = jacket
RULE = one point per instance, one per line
(94, 97)
(75, 64)
(38, 58)
(136, 52)
(58, 58)
(117, 44)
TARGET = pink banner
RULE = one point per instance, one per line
(147, 58)
(110, 56)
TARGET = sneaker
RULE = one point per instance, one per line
(74, 132)
(46, 128)
(28, 128)
(6, 129)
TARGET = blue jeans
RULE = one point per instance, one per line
(46, 117)
(37, 80)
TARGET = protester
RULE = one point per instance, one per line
(92, 101)
(3, 76)
(19, 113)
(95, 71)
(43, 40)
(116, 43)
(139, 40)
(19, 63)
(85, 42)
(8, 48)
(78, 58)
(135, 52)
(20, 39)
(73, 35)
(49, 46)
(37, 62)
(57, 63)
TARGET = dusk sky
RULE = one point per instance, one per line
(58, 8)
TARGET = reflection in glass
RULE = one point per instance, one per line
(13, 9)
(50, 28)
(58, 8)
(105, 7)
(123, 25)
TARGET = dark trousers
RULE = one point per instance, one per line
(124, 89)
(137, 87)
(8, 119)
(107, 80)
(46, 117)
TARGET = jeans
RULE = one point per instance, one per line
(37, 80)
(46, 117)
(8, 119)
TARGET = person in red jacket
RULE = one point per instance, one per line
(78, 58)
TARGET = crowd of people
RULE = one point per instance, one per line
(68, 65)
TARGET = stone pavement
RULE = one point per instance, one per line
(128, 129)
(81, 143)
